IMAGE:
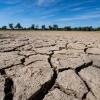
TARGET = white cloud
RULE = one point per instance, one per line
(40, 2)
(81, 17)
(81, 3)
(77, 9)
(43, 2)
(11, 2)
(47, 16)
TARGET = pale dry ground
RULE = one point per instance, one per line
(49, 65)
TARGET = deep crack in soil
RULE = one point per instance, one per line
(8, 89)
(39, 95)
(77, 70)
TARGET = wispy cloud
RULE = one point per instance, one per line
(89, 16)
(11, 2)
(77, 8)
(47, 16)
(78, 4)
(63, 7)
(44, 2)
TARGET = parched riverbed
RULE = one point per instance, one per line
(49, 65)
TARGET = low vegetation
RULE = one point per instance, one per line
(18, 26)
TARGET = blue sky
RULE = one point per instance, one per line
(61, 12)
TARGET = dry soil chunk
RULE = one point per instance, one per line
(9, 58)
(61, 44)
(56, 94)
(95, 59)
(69, 59)
(92, 77)
(43, 43)
(71, 83)
(35, 58)
(77, 46)
(95, 51)
(27, 53)
(25, 48)
(29, 79)
(90, 96)
(10, 46)
(44, 50)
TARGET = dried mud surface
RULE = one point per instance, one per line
(49, 65)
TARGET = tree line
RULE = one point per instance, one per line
(18, 26)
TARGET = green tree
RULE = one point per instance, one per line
(67, 28)
(11, 26)
(97, 29)
(36, 27)
(90, 28)
(55, 27)
(32, 27)
(50, 27)
(43, 27)
(18, 26)
(4, 27)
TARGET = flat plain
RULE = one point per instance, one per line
(49, 65)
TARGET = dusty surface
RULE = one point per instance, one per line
(49, 65)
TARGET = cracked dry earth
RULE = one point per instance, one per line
(49, 65)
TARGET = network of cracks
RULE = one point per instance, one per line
(49, 69)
